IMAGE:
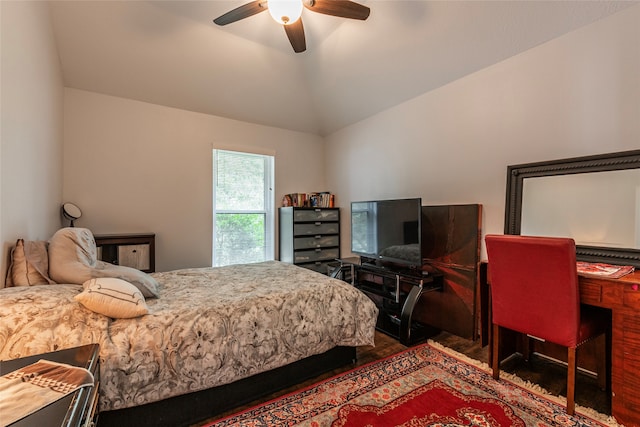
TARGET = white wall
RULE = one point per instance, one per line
(133, 166)
(31, 135)
(137, 167)
(575, 95)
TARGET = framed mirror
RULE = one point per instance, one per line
(594, 199)
(70, 212)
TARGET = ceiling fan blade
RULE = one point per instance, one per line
(242, 12)
(341, 8)
(295, 32)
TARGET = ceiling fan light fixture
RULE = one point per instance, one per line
(288, 13)
(285, 12)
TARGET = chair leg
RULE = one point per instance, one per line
(571, 380)
(495, 362)
(527, 348)
(608, 361)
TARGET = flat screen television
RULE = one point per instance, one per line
(387, 231)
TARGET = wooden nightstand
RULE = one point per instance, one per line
(77, 409)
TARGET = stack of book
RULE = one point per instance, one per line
(604, 270)
(309, 200)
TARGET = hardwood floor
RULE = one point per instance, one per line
(548, 374)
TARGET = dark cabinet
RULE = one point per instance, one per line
(310, 237)
(130, 250)
(451, 239)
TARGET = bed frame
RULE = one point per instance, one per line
(189, 409)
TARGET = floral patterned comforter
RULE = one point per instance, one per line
(210, 326)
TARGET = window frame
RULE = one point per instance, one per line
(269, 202)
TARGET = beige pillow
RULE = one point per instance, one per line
(113, 297)
(29, 264)
(73, 259)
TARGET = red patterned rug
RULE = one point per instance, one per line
(425, 385)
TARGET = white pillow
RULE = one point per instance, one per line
(73, 259)
(113, 297)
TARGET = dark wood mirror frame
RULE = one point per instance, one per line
(516, 175)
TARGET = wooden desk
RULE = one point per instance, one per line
(622, 297)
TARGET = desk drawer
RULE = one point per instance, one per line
(603, 293)
(591, 293)
(631, 295)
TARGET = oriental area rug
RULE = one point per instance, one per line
(426, 385)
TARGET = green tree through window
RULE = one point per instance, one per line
(243, 207)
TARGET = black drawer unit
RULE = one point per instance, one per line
(310, 237)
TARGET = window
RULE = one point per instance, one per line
(243, 215)
(363, 234)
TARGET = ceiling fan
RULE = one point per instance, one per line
(288, 12)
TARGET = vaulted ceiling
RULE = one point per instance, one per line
(171, 53)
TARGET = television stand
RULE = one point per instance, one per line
(395, 291)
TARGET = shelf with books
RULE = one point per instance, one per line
(309, 200)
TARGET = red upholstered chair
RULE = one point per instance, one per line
(534, 290)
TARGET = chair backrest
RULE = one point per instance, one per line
(534, 286)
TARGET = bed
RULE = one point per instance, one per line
(230, 333)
